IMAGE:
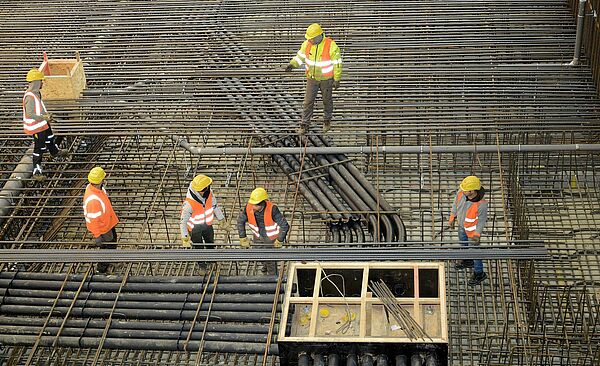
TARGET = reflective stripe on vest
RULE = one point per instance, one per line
(271, 226)
(200, 214)
(471, 216)
(30, 126)
(89, 216)
(99, 218)
(471, 220)
(324, 64)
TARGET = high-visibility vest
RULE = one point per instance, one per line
(319, 65)
(30, 125)
(99, 215)
(324, 63)
(271, 226)
(201, 214)
(471, 217)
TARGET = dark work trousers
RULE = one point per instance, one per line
(203, 234)
(266, 243)
(42, 141)
(312, 88)
(106, 241)
(464, 241)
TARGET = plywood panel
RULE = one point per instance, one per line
(65, 79)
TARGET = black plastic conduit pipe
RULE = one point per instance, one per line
(333, 359)
(401, 360)
(352, 360)
(382, 360)
(318, 360)
(366, 360)
(303, 359)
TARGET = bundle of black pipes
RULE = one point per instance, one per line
(356, 192)
(367, 359)
(152, 313)
(351, 185)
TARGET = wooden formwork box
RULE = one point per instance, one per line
(63, 78)
(303, 320)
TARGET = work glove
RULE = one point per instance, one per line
(185, 242)
(336, 84)
(475, 240)
(225, 226)
(289, 68)
(451, 224)
(47, 117)
(277, 244)
(245, 243)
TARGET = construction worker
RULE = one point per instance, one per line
(470, 210)
(323, 64)
(266, 223)
(100, 218)
(36, 123)
(198, 212)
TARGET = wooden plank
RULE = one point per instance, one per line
(315, 303)
(286, 303)
(444, 310)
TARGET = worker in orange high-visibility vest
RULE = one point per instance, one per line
(470, 211)
(322, 62)
(266, 222)
(36, 123)
(198, 213)
(100, 218)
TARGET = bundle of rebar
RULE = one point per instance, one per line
(406, 322)
(525, 250)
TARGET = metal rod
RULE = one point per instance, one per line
(424, 149)
(579, 35)
(215, 255)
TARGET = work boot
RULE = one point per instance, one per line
(62, 153)
(477, 278)
(268, 268)
(102, 268)
(326, 126)
(202, 266)
(39, 177)
(463, 264)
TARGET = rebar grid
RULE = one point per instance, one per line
(417, 73)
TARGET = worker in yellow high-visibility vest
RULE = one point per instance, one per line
(322, 61)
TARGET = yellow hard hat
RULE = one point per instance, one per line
(200, 182)
(470, 183)
(34, 74)
(258, 195)
(96, 175)
(313, 30)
